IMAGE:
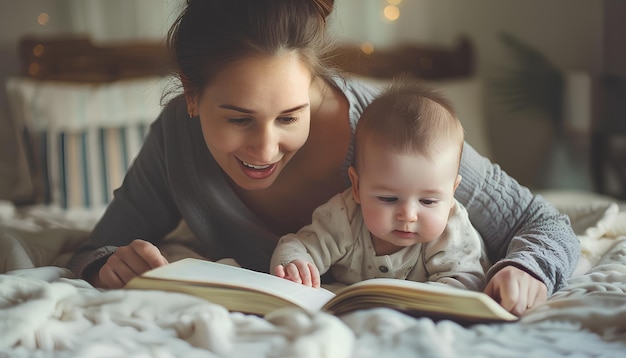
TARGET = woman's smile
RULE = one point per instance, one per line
(253, 171)
(258, 167)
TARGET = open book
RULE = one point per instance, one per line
(242, 290)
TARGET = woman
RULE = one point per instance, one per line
(263, 135)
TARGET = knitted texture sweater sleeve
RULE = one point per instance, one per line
(518, 228)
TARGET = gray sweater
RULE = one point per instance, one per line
(175, 177)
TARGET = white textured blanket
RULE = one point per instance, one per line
(45, 312)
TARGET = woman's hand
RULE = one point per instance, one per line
(299, 271)
(516, 290)
(127, 262)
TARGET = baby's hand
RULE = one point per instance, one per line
(299, 271)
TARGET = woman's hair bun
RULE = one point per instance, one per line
(325, 7)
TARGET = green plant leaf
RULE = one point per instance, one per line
(534, 83)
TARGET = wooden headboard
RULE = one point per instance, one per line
(427, 62)
(78, 59)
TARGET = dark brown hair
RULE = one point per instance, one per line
(209, 34)
(411, 118)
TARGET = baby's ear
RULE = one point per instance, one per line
(354, 179)
(457, 181)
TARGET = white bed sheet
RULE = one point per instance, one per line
(45, 312)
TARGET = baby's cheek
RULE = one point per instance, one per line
(378, 220)
(432, 226)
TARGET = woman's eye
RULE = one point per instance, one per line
(387, 199)
(288, 120)
(243, 120)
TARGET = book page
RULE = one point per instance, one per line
(418, 297)
(207, 273)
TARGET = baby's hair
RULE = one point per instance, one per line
(411, 118)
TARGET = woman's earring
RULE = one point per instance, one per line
(190, 114)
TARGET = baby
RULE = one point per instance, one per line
(400, 218)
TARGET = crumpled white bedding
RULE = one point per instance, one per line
(45, 312)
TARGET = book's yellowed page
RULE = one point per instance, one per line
(207, 273)
(419, 297)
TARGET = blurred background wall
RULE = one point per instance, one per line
(569, 34)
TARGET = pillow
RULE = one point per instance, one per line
(83, 136)
(81, 169)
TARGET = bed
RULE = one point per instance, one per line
(47, 312)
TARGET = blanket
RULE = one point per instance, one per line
(46, 312)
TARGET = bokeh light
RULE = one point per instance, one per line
(391, 12)
(38, 50)
(367, 48)
(33, 69)
(43, 18)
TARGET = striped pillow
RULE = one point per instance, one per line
(85, 136)
(82, 169)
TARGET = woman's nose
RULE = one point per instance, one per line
(264, 144)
